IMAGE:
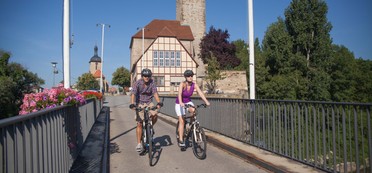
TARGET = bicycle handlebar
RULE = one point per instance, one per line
(144, 108)
(191, 106)
(197, 106)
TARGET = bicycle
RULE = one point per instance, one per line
(147, 132)
(199, 141)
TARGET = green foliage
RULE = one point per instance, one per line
(242, 54)
(308, 26)
(213, 73)
(277, 47)
(342, 66)
(15, 81)
(363, 81)
(121, 77)
(87, 82)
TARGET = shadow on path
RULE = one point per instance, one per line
(123, 133)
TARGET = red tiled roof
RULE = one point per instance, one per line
(97, 74)
(166, 28)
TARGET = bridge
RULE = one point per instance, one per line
(243, 136)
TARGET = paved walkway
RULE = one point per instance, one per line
(124, 159)
(254, 155)
(168, 157)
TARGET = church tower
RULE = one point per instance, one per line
(95, 61)
(192, 13)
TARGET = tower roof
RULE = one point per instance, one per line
(95, 57)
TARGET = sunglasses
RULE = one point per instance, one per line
(190, 76)
(146, 76)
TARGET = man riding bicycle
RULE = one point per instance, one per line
(185, 91)
(143, 91)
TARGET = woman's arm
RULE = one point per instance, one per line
(180, 88)
(201, 94)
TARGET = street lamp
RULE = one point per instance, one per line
(103, 36)
(55, 71)
(252, 82)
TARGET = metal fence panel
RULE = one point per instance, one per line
(45, 141)
(334, 137)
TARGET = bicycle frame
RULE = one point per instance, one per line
(196, 132)
(147, 132)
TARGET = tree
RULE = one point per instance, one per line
(121, 77)
(87, 82)
(308, 26)
(363, 82)
(15, 81)
(342, 66)
(216, 41)
(213, 73)
(242, 54)
(280, 70)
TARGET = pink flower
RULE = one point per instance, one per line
(50, 98)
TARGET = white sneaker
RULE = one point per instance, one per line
(139, 147)
(182, 144)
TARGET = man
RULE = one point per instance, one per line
(143, 91)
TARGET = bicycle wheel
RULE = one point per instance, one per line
(199, 142)
(149, 141)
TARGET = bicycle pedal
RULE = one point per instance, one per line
(183, 148)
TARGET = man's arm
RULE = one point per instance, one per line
(132, 98)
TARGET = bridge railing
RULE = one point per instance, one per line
(334, 137)
(47, 140)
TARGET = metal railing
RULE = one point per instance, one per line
(46, 141)
(334, 137)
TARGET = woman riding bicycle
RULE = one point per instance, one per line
(185, 91)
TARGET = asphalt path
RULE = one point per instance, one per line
(168, 157)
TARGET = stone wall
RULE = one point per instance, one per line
(233, 84)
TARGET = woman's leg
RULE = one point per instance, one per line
(180, 128)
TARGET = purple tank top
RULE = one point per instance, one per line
(186, 94)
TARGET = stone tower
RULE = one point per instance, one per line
(192, 13)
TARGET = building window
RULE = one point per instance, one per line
(178, 58)
(172, 59)
(159, 80)
(161, 58)
(167, 58)
(175, 83)
(155, 58)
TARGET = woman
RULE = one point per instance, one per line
(185, 91)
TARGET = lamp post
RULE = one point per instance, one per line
(55, 71)
(252, 82)
(103, 36)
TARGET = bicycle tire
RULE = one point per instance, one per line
(199, 143)
(150, 144)
(143, 142)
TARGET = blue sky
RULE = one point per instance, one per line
(32, 30)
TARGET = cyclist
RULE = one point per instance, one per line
(185, 91)
(143, 91)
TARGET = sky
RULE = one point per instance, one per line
(32, 30)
